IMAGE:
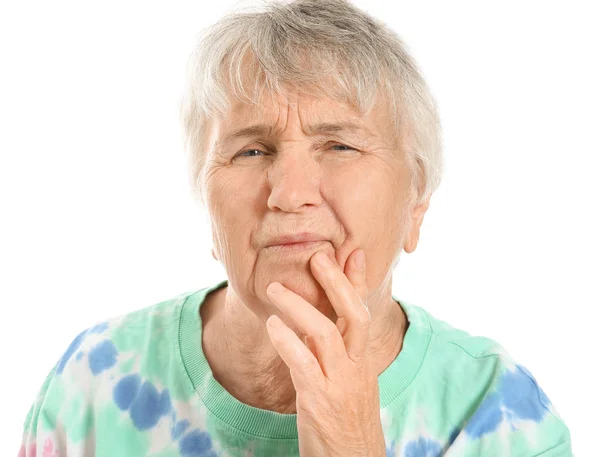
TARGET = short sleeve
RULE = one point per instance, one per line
(58, 408)
(28, 440)
(515, 417)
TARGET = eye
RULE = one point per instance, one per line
(347, 148)
(249, 153)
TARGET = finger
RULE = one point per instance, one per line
(356, 272)
(310, 344)
(346, 300)
(304, 367)
(330, 348)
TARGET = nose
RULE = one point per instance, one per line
(294, 181)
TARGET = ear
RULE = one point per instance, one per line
(417, 213)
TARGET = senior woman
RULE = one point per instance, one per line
(315, 149)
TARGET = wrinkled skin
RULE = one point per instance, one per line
(353, 189)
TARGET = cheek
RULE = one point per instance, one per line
(364, 198)
(230, 194)
(232, 205)
(368, 203)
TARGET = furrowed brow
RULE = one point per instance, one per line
(252, 130)
(315, 129)
(329, 127)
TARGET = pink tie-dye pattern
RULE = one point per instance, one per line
(49, 449)
(24, 453)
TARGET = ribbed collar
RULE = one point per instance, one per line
(270, 424)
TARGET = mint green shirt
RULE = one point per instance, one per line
(140, 385)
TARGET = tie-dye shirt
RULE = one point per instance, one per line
(140, 385)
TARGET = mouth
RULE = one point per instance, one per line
(296, 247)
(296, 241)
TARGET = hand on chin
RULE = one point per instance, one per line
(303, 283)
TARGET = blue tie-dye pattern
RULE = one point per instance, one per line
(423, 447)
(102, 357)
(179, 428)
(99, 328)
(389, 450)
(487, 417)
(518, 394)
(453, 436)
(196, 444)
(70, 351)
(74, 346)
(126, 390)
(543, 398)
(521, 396)
(148, 406)
(79, 355)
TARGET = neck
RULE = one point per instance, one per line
(246, 364)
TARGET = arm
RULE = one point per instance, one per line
(36, 440)
(56, 411)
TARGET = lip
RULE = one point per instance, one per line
(300, 239)
(292, 247)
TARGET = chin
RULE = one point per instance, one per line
(304, 284)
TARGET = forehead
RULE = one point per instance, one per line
(270, 116)
(278, 108)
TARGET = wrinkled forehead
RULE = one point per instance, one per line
(274, 114)
(257, 97)
(276, 109)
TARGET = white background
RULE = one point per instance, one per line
(97, 219)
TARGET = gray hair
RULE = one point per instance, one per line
(324, 48)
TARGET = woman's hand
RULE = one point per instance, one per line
(337, 391)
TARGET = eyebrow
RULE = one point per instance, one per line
(315, 129)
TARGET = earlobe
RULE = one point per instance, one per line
(417, 219)
(411, 242)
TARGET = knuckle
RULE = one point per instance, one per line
(329, 332)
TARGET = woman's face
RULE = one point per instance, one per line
(309, 175)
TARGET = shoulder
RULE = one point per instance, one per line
(446, 336)
(101, 346)
(101, 362)
(491, 395)
(144, 342)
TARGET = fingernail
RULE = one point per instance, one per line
(359, 260)
(323, 259)
(273, 321)
(274, 288)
